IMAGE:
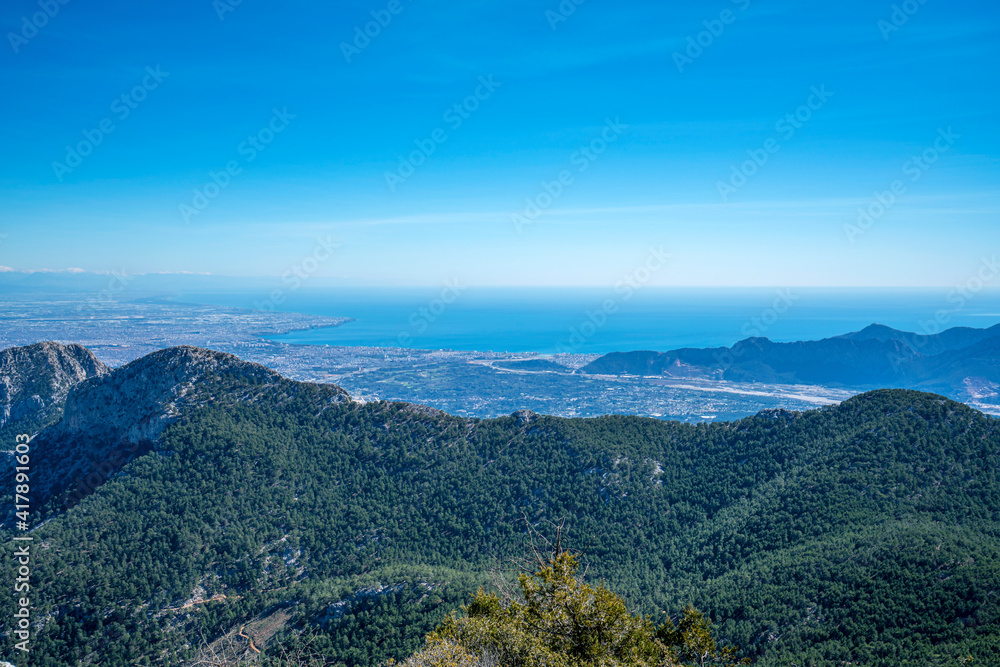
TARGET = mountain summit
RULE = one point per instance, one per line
(111, 417)
(35, 380)
(137, 401)
(959, 363)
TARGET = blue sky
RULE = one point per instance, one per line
(922, 82)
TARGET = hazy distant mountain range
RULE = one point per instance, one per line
(78, 281)
(961, 363)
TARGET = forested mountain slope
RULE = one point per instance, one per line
(864, 533)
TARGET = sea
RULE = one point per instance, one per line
(594, 321)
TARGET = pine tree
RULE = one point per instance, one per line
(558, 620)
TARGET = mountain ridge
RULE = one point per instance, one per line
(260, 503)
(877, 356)
(123, 411)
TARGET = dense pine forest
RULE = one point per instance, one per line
(863, 534)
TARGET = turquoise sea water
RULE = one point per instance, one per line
(600, 321)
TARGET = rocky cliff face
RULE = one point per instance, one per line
(115, 416)
(137, 401)
(34, 383)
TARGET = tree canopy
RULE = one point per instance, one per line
(559, 620)
(865, 533)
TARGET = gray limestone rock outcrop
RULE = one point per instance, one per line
(34, 383)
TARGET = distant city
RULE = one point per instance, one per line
(472, 384)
